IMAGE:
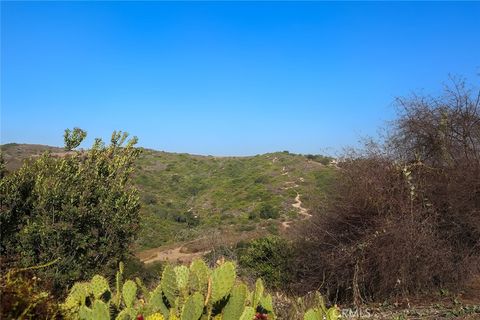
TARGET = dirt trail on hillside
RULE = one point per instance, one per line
(302, 210)
(298, 205)
(182, 254)
(172, 255)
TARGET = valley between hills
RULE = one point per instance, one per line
(192, 204)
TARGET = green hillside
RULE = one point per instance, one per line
(184, 196)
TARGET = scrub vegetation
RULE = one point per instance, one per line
(116, 231)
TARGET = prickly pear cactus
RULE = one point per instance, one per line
(312, 314)
(182, 275)
(77, 296)
(236, 304)
(129, 292)
(193, 308)
(169, 284)
(144, 291)
(194, 293)
(321, 313)
(156, 303)
(222, 280)
(99, 285)
(199, 275)
(248, 314)
(267, 304)
(258, 293)
(333, 313)
(100, 311)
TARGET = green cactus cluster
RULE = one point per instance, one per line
(184, 293)
(321, 312)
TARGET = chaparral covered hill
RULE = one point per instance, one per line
(186, 197)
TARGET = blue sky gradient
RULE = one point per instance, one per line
(225, 78)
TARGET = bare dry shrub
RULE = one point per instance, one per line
(403, 217)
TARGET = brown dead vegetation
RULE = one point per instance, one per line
(404, 217)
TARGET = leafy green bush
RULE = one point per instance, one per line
(73, 138)
(79, 208)
(268, 211)
(189, 218)
(269, 258)
(325, 160)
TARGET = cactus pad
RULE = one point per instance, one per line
(182, 273)
(267, 303)
(199, 273)
(236, 304)
(193, 308)
(99, 285)
(258, 293)
(85, 313)
(223, 278)
(129, 292)
(100, 311)
(79, 292)
(248, 314)
(169, 284)
(333, 313)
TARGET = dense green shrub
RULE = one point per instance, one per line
(325, 160)
(79, 208)
(189, 218)
(264, 211)
(268, 211)
(269, 258)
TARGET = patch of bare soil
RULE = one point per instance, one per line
(172, 255)
(187, 252)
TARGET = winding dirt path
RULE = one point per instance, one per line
(298, 205)
(302, 210)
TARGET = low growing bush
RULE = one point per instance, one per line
(269, 258)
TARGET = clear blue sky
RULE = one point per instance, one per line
(225, 78)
